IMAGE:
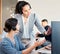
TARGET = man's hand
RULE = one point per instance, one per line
(45, 32)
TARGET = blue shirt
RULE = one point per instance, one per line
(7, 47)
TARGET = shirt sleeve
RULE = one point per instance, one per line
(37, 23)
(21, 46)
(49, 31)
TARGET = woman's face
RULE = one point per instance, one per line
(17, 28)
(26, 10)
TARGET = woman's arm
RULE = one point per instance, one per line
(37, 43)
(38, 25)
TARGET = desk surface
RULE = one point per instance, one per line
(41, 51)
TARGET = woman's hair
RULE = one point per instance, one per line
(10, 24)
(20, 5)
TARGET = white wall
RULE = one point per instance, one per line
(49, 9)
(6, 9)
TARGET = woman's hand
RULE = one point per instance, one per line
(38, 43)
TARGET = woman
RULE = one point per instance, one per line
(11, 44)
(27, 20)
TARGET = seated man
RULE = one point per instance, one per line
(48, 29)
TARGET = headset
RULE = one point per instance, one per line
(14, 28)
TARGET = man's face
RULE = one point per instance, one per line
(26, 10)
(44, 23)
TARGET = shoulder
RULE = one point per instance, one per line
(17, 38)
(5, 41)
(48, 26)
(33, 14)
(17, 15)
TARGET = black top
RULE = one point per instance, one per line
(48, 36)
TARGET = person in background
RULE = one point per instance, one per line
(11, 44)
(48, 30)
(27, 20)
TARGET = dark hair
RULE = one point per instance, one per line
(44, 20)
(19, 6)
(10, 24)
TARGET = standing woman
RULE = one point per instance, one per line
(27, 20)
(11, 44)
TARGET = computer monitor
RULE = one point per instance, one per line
(55, 37)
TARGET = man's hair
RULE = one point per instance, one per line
(44, 20)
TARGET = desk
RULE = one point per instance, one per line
(44, 51)
(41, 51)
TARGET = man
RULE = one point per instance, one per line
(48, 30)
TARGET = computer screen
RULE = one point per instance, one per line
(55, 37)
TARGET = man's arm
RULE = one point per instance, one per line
(49, 31)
